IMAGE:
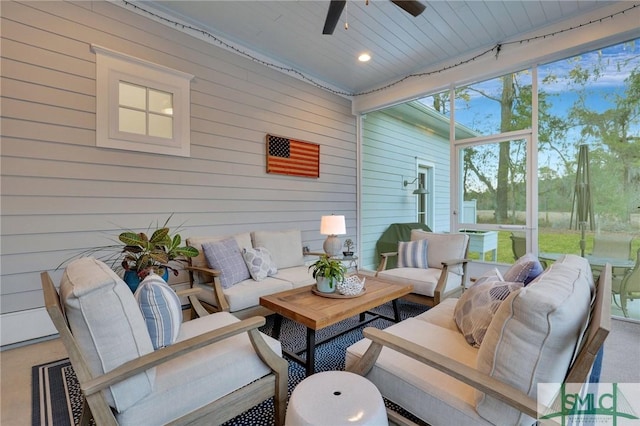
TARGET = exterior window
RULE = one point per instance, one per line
(141, 106)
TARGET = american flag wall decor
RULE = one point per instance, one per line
(292, 157)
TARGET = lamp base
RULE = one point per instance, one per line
(332, 245)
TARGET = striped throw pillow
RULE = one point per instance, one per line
(412, 254)
(161, 309)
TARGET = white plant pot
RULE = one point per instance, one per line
(325, 285)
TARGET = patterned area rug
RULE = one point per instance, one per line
(57, 399)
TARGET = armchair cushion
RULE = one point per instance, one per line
(226, 257)
(413, 254)
(161, 309)
(259, 262)
(285, 247)
(424, 281)
(108, 325)
(443, 247)
(525, 270)
(476, 307)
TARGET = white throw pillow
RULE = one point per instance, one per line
(161, 309)
(259, 262)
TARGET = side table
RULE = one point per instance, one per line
(336, 398)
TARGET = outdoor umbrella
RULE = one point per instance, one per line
(582, 208)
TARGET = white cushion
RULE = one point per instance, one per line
(246, 294)
(161, 309)
(298, 276)
(259, 262)
(442, 316)
(423, 280)
(413, 254)
(532, 338)
(108, 326)
(285, 246)
(422, 390)
(190, 381)
(443, 247)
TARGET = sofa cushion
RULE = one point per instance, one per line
(532, 338)
(226, 257)
(161, 309)
(259, 262)
(192, 380)
(422, 390)
(413, 254)
(525, 269)
(107, 323)
(443, 247)
(476, 307)
(246, 294)
(442, 316)
(298, 276)
(285, 247)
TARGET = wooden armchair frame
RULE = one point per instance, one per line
(438, 293)
(593, 340)
(216, 412)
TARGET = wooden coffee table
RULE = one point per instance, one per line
(317, 312)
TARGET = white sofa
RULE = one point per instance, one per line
(243, 298)
(533, 338)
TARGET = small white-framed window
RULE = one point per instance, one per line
(141, 106)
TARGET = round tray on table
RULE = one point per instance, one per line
(336, 295)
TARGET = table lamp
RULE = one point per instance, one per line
(332, 226)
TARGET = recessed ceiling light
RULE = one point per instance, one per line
(364, 57)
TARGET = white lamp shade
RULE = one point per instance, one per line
(332, 225)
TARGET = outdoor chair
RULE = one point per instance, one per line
(518, 245)
(217, 368)
(612, 246)
(628, 287)
(434, 263)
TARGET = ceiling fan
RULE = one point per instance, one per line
(413, 7)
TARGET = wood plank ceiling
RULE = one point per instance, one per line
(290, 32)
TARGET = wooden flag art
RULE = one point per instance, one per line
(292, 157)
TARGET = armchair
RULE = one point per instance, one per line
(218, 367)
(441, 276)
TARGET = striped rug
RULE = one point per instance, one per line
(57, 400)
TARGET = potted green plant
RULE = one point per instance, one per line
(348, 243)
(138, 254)
(327, 273)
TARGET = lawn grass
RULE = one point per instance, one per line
(549, 241)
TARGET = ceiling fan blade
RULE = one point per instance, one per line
(414, 7)
(333, 15)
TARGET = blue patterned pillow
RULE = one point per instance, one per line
(259, 262)
(161, 309)
(525, 270)
(225, 256)
(413, 254)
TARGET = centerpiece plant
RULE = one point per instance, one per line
(327, 273)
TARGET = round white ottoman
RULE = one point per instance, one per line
(336, 398)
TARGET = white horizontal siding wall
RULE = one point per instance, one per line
(61, 194)
(389, 150)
